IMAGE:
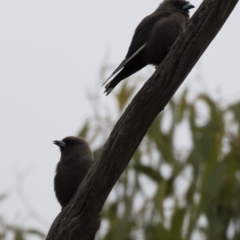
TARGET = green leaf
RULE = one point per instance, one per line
(84, 130)
(124, 95)
(177, 221)
(35, 232)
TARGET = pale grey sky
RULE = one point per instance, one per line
(50, 55)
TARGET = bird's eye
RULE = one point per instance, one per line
(69, 143)
(181, 4)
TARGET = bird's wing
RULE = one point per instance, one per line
(140, 38)
(125, 61)
(143, 31)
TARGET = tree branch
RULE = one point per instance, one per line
(80, 219)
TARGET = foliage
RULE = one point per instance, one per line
(183, 181)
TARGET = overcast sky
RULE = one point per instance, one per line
(50, 53)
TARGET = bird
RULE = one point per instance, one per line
(152, 39)
(75, 161)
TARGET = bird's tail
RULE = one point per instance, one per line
(112, 84)
(127, 71)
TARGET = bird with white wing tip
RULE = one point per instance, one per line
(152, 39)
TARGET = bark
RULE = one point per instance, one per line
(80, 219)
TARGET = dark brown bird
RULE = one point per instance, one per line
(152, 39)
(76, 159)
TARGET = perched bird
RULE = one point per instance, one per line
(76, 159)
(152, 39)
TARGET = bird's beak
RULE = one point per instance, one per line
(60, 143)
(188, 6)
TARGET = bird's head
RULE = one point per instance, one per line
(179, 5)
(72, 146)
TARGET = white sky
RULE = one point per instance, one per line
(50, 53)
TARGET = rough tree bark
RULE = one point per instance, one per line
(80, 219)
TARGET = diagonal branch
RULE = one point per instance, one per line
(80, 219)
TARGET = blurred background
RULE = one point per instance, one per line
(183, 181)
